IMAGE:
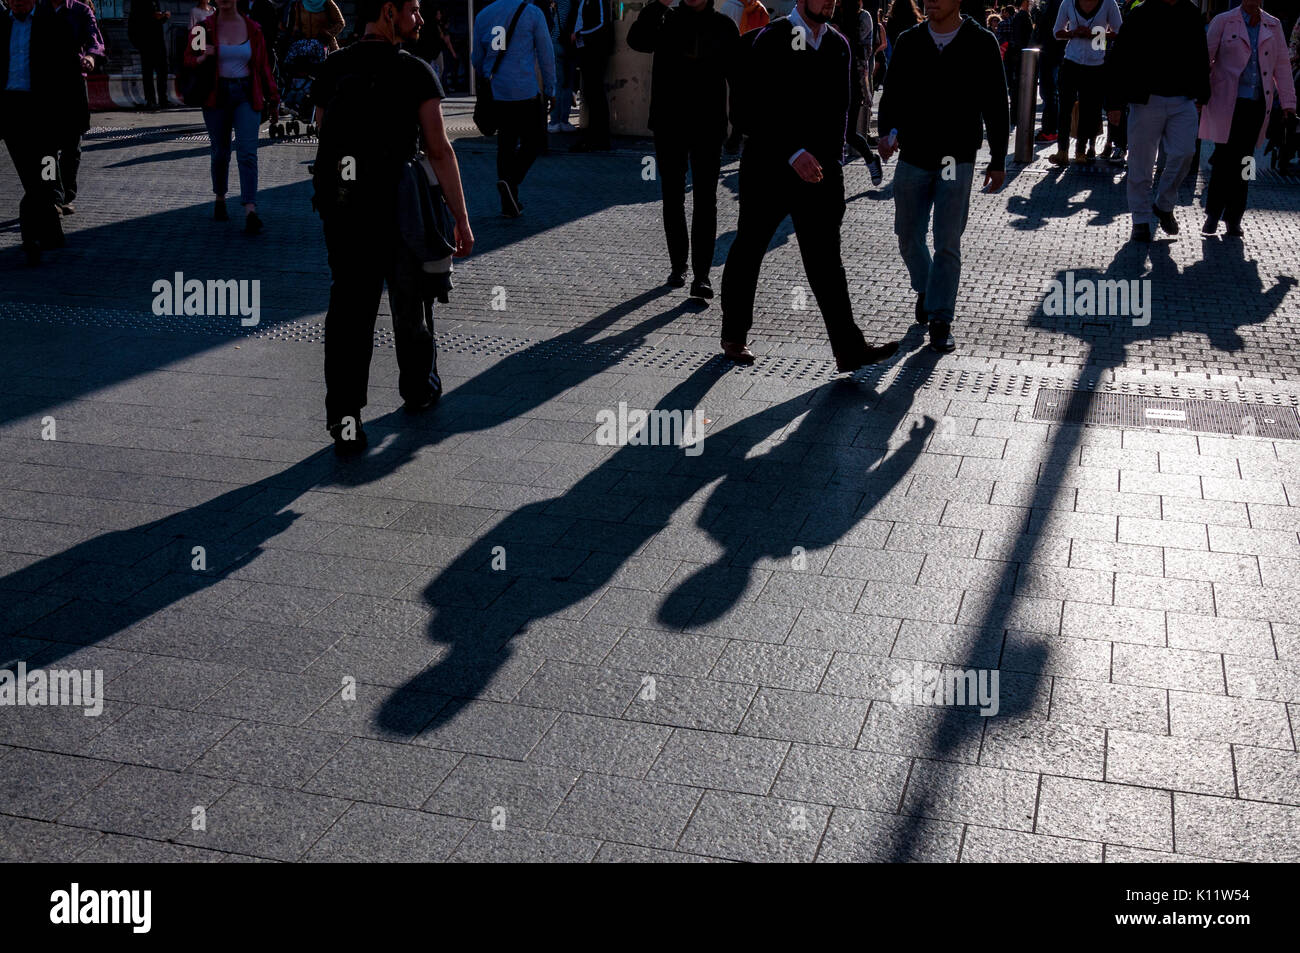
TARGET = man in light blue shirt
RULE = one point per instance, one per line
(508, 59)
(20, 53)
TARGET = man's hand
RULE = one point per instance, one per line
(887, 147)
(87, 63)
(993, 179)
(464, 239)
(809, 169)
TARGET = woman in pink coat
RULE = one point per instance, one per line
(1249, 68)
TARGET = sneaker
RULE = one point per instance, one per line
(677, 278)
(877, 174)
(1045, 136)
(252, 224)
(1141, 233)
(702, 289)
(871, 354)
(567, 126)
(349, 448)
(922, 316)
(941, 337)
(1211, 226)
(219, 213)
(1166, 220)
(739, 353)
(552, 127)
(509, 205)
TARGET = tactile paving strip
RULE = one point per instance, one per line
(1132, 410)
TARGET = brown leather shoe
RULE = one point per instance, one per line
(739, 353)
(874, 354)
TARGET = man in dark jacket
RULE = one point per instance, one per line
(1052, 53)
(1160, 66)
(39, 70)
(792, 101)
(694, 47)
(592, 34)
(144, 28)
(80, 20)
(944, 89)
(1022, 31)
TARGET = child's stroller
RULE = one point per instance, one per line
(297, 70)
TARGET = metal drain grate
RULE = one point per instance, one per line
(1131, 410)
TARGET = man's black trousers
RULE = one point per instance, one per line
(591, 67)
(26, 133)
(1225, 196)
(521, 137)
(769, 191)
(361, 266)
(675, 150)
(153, 64)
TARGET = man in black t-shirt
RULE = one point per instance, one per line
(375, 106)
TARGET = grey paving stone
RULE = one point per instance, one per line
(1113, 813)
(844, 632)
(518, 845)
(602, 745)
(116, 849)
(748, 828)
(372, 832)
(961, 646)
(706, 704)
(1263, 678)
(1030, 744)
(919, 538)
(493, 790)
(22, 839)
(942, 734)
(269, 754)
(1178, 764)
(856, 779)
(583, 689)
(1169, 594)
(145, 802)
(612, 853)
(276, 697)
(399, 775)
(158, 737)
(566, 640)
(1234, 720)
(814, 592)
(801, 716)
(378, 712)
(972, 794)
(988, 845)
(869, 837)
(1266, 774)
(773, 666)
(488, 728)
(1036, 654)
(1082, 620)
(1169, 533)
(1184, 669)
(671, 653)
(1237, 830)
(641, 813)
(718, 761)
(1107, 705)
(268, 822)
(1216, 634)
(41, 784)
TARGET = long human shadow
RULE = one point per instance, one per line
(1050, 198)
(653, 484)
(235, 526)
(1026, 656)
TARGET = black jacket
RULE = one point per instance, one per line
(694, 54)
(597, 25)
(141, 28)
(788, 99)
(58, 90)
(942, 103)
(1161, 50)
(1045, 36)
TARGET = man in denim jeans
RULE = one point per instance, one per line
(945, 86)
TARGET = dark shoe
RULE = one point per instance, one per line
(872, 354)
(348, 448)
(67, 208)
(1211, 226)
(1234, 229)
(877, 174)
(677, 278)
(1045, 136)
(941, 337)
(509, 207)
(33, 253)
(873, 141)
(739, 353)
(1059, 157)
(219, 213)
(732, 145)
(1166, 220)
(1141, 233)
(700, 288)
(419, 406)
(1116, 156)
(252, 224)
(922, 316)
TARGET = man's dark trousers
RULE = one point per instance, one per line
(592, 61)
(1225, 196)
(521, 137)
(26, 134)
(69, 150)
(769, 191)
(153, 62)
(360, 267)
(674, 151)
(1049, 65)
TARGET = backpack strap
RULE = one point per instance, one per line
(510, 31)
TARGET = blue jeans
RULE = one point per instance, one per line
(234, 111)
(563, 86)
(916, 192)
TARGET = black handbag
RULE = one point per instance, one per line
(485, 113)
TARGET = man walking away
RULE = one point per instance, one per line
(144, 29)
(793, 104)
(694, 48)
(39, 70)
(1021, 32)
(944, 89)
(565, 70)
(1161, 68)
(510, 36)
(375, 104)
(592, 35)
(1049, 65)
(80, 20)
(848, 20)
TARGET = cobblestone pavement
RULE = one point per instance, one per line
(497, 638)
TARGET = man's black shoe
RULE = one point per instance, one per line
(941, 337)
(732, 145)
(1141, 233)
(418, 406)
(922, 316)
(252, 224)
(344, 447)
(677, 278)
(33, 253)
(871, 354)
(1166, 220)
(1211, 226)
(701, 288)
(509, 207)
(1234, 229)
(219, 213)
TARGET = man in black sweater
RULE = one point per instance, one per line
(1160, 66)
(694, 47)
(944, 89)
(792, 101)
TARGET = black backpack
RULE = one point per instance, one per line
(355, 172)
